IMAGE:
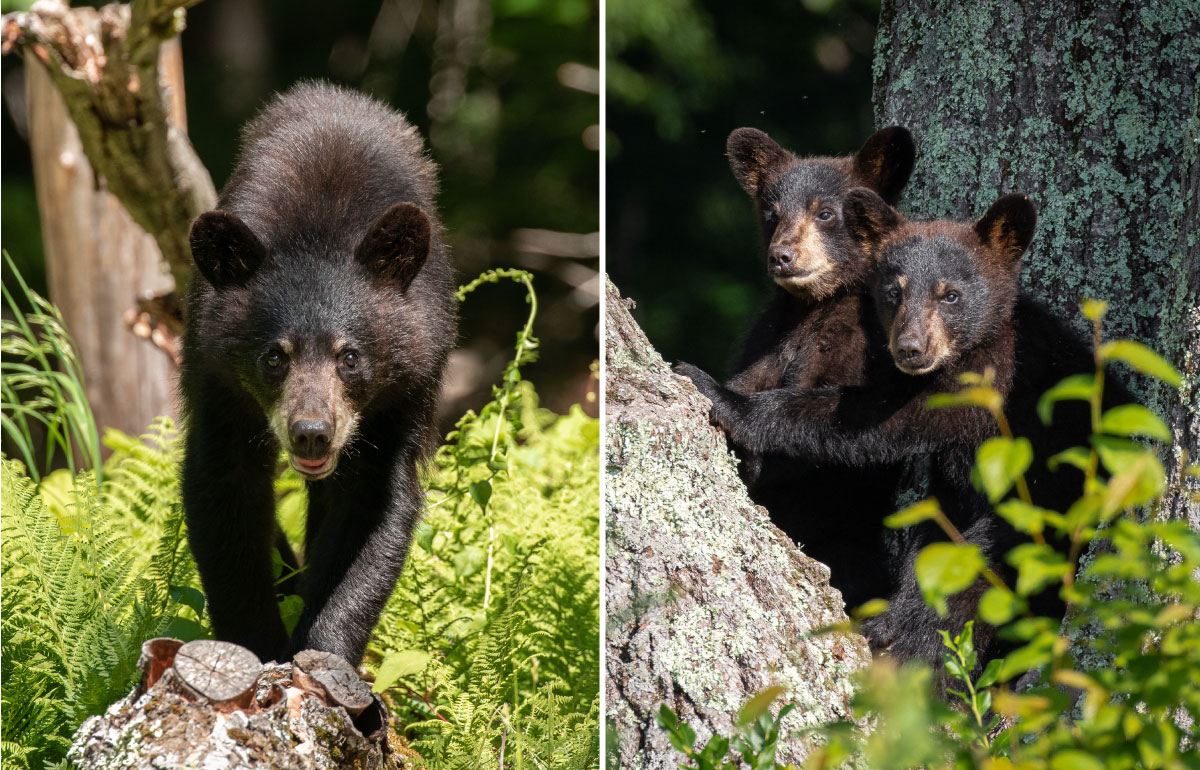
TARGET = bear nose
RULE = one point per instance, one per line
(909, 346)
(781, 256)
(311, 438)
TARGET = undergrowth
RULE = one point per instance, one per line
(1114, 686)
(487, 654)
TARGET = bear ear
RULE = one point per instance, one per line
(868, 217)
(751, 155)
(886, 161)
(225, 250)
(1007, 227)
(396, 246)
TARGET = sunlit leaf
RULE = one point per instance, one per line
(1038, 565)
(1134, 420)
(944, 569)
(999, 605)
(1142, 359)
(914, 514)
(400, 664)
(999, 462)
(1077, 387)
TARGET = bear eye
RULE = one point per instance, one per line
(825, 215)
(950, 298)
(350, 359)
(768, 216)
(893, 294)
(274, 359)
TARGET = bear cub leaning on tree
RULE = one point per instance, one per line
(944, 293)
(320, 320)
(817, 331)
(948, 303)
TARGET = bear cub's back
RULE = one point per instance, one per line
(320, 163)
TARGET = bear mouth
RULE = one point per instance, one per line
(313, 470)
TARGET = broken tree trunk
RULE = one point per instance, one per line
(106, 65)
(98, 263)
(212, 704)
(708, 602)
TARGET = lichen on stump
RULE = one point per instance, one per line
(211, 704)
(707, 601)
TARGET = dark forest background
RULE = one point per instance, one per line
(506, 93)
(683, 239)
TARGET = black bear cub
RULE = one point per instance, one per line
(319, 322)
(816, 332)
(944, 294)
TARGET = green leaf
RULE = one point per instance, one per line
(468, 561)
(1076, 456)
(944, 569)
(1038, 565)
(989, 675)
(999, 462)
(1142, 359)
(481, 492)
(1134, 420)
(1077, 387)
(190, 597)
(758, 705)
(1023, 516)
(1073, 759)
(185, 629)
(1023, 659)
(914, 514)
(399, 664)
(423, 536)
(1094, 309)
(999, 605)
(975, 395)
(290, 608)
(870, 609)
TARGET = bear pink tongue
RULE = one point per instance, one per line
(312, 466)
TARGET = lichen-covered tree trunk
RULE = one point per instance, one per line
(707, 602)
(1091, 109)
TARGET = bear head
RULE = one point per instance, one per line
(313, 334)
(942, 288)
(800, 201)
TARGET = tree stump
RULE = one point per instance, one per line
(214, 705)
(707, 601)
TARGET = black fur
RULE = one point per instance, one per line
(815, 334)
(327, 243)
(884, 420)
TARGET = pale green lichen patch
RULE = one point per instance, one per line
(732, 597)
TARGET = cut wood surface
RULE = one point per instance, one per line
(212, 704)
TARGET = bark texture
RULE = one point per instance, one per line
(707, 602)
(1091, 109)
(98, 263)
(106, 65)
(210, 704)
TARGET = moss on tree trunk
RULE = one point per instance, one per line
(1091, 109)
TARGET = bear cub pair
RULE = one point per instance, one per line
(319, 322)
(874, 315)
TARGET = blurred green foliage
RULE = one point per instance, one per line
(682, 236)
(487, 86)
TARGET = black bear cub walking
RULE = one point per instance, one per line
(319, 322)
(815, 332)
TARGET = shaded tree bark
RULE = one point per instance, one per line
(1091, 109)
(707, 602)
(98, 262)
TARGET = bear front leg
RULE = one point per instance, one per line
(355, 554)
(229, 504)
